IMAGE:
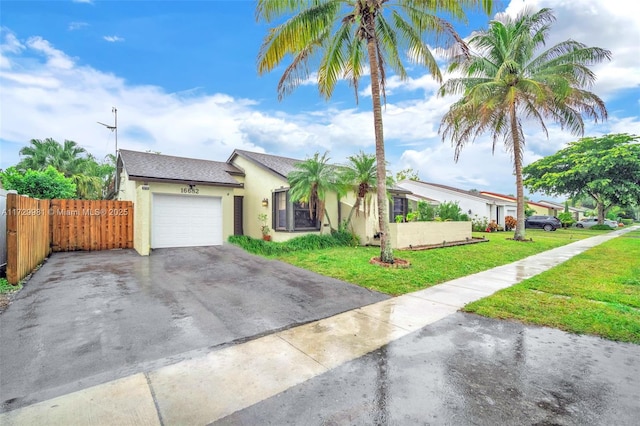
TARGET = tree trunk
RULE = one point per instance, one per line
(353, 209)
(386, 253)
(517, 163)
(600, 205)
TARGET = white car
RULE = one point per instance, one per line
(590, 221)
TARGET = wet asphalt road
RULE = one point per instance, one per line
(87, 318)
(469, 370)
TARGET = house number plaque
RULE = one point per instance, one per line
(188, 190)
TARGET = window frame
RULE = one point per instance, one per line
(392, 207)
(290, 214)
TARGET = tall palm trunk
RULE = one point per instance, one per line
(386, 253)
(517, 162)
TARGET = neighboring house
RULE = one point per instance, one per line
(540, 209)
(557, 208)
(182, 202)
(471, 203)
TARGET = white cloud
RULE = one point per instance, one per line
(52, 96)
(9, 44)
(73, 26)
(113, 39)
(55, 57)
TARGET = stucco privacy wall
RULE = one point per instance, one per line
(143, 204)
(260, 185)
(426, 233)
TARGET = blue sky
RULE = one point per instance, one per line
(183, 77)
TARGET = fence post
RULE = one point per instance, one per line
(12, 239)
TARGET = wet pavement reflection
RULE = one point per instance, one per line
(468, 370)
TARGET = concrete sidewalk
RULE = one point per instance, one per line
(206, 388)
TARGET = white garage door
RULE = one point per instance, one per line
(185, 221)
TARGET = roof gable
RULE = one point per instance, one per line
(509, 198)
(475, 195)
(281, 166)
(159, 167)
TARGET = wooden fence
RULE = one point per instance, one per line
(91, 225)
(28, 235)
(36, 227)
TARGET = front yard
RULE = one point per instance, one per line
(429, 267)
(596, 292)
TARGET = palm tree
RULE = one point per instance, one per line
(348, 36)
(507, 80)
(310, 182)
(69, 159)
(359, 176)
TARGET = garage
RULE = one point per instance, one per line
(185, 221)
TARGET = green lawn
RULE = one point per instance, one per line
(429, 267)
(596, 292)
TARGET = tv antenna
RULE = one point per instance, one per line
(114, 129)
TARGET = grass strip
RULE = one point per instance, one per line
(596, 292)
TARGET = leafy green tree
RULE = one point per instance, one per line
(606, 169)
(44, 184)
(68, 158)
(359, 176)
(310, 183)
(426, 211)
(510, 80)
(347, 36)
(407, 174)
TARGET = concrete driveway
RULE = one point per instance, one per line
(86, 318)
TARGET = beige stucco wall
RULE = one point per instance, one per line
(364, 227)
(260, 183)
(425, 233)
(143, 204)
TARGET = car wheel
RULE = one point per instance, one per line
(548, 228)
(579, 225)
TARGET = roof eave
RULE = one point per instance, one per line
(184, 181)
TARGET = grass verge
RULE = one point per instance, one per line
(6, 288)
(596, 292)
(428, 267)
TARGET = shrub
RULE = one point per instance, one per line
(413, 216)
(305, 242)
(510, 222)
(45, 184)
(566, 219)
(601, 227)
(479, 224)
(449, 210)
(426, 211)
(627, 222)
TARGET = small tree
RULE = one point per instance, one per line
(449, 210)
(46, 184)
(407, 174)
(310, 182)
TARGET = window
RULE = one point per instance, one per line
(280, 207)
(290, 216)
(399, 207)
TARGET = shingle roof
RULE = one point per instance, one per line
(279, 165)
(159, 167)
(462, 191)
(510, 198)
